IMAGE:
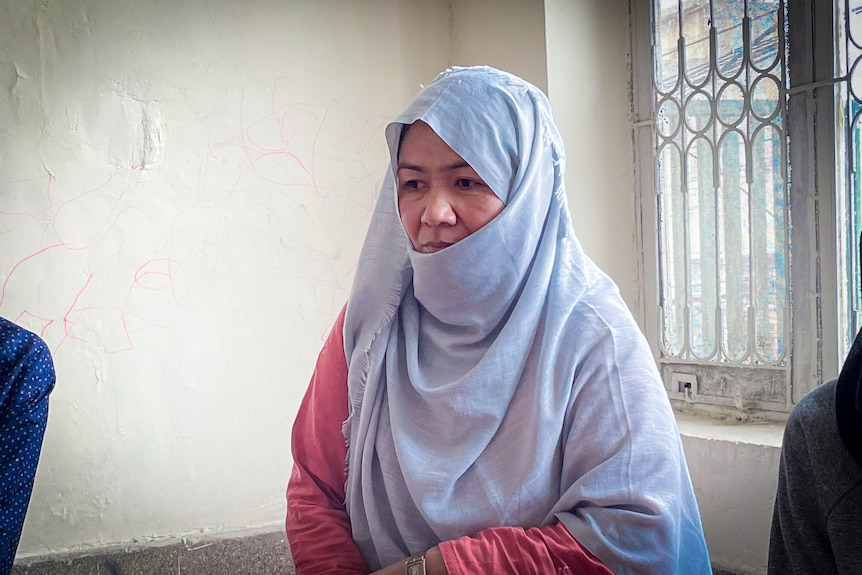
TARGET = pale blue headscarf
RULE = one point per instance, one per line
(502, 381)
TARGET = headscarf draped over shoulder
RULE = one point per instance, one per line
(502, 381)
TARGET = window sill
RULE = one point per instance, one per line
(768, 434)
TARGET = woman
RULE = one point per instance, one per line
(815, 520)
(501, 409)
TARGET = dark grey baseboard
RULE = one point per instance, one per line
(258, 554)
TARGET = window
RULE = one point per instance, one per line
(736, 145)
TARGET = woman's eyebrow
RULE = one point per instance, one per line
(448, 168)
(413, 167)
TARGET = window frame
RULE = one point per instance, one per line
(813, 209)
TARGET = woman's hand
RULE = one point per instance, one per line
(434, 565)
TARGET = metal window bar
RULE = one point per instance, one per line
(694, 105)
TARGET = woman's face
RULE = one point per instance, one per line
(441, 199)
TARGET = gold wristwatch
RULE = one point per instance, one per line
(415, 565)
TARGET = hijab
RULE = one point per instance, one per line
(502, 381)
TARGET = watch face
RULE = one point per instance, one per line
(416, 567)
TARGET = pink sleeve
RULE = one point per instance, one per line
(318, 528)
(511, 550)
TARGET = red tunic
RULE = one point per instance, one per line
(318, 527)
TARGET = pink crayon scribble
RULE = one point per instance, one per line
(144, 274)
(111, 219)
(21, 262)
(30, 318)
(68, 323)
(274, 151)
(73, 312)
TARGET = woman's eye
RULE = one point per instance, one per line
(465, 184)
(410, 185)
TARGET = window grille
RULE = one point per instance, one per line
(720, 137)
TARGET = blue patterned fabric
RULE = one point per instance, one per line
(26, 379)
(502, 380)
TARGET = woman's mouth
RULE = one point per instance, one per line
(432, 247)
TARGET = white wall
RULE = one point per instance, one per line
(734, 470)
(185, 187)
(588, 85)
(507, 34)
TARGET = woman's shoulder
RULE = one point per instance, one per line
(812, 441)
(18, 345)
(602, 318)
(815, 411)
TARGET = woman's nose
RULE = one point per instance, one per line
(438, 210)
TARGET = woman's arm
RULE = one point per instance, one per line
(318, 528)
(510, 551)
(550, 549)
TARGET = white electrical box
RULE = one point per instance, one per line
(684, 383)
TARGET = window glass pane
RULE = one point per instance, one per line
(731, 104)
(666, 46)
(769, 288)
(672, 250)
(721, 160)
(765, 33)
(849, 166)
(695, 31)
(702, 272)
(854, 21)
(733, 224)
(728, 26)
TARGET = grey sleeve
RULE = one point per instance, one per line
(799, 540)
(844, 528)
